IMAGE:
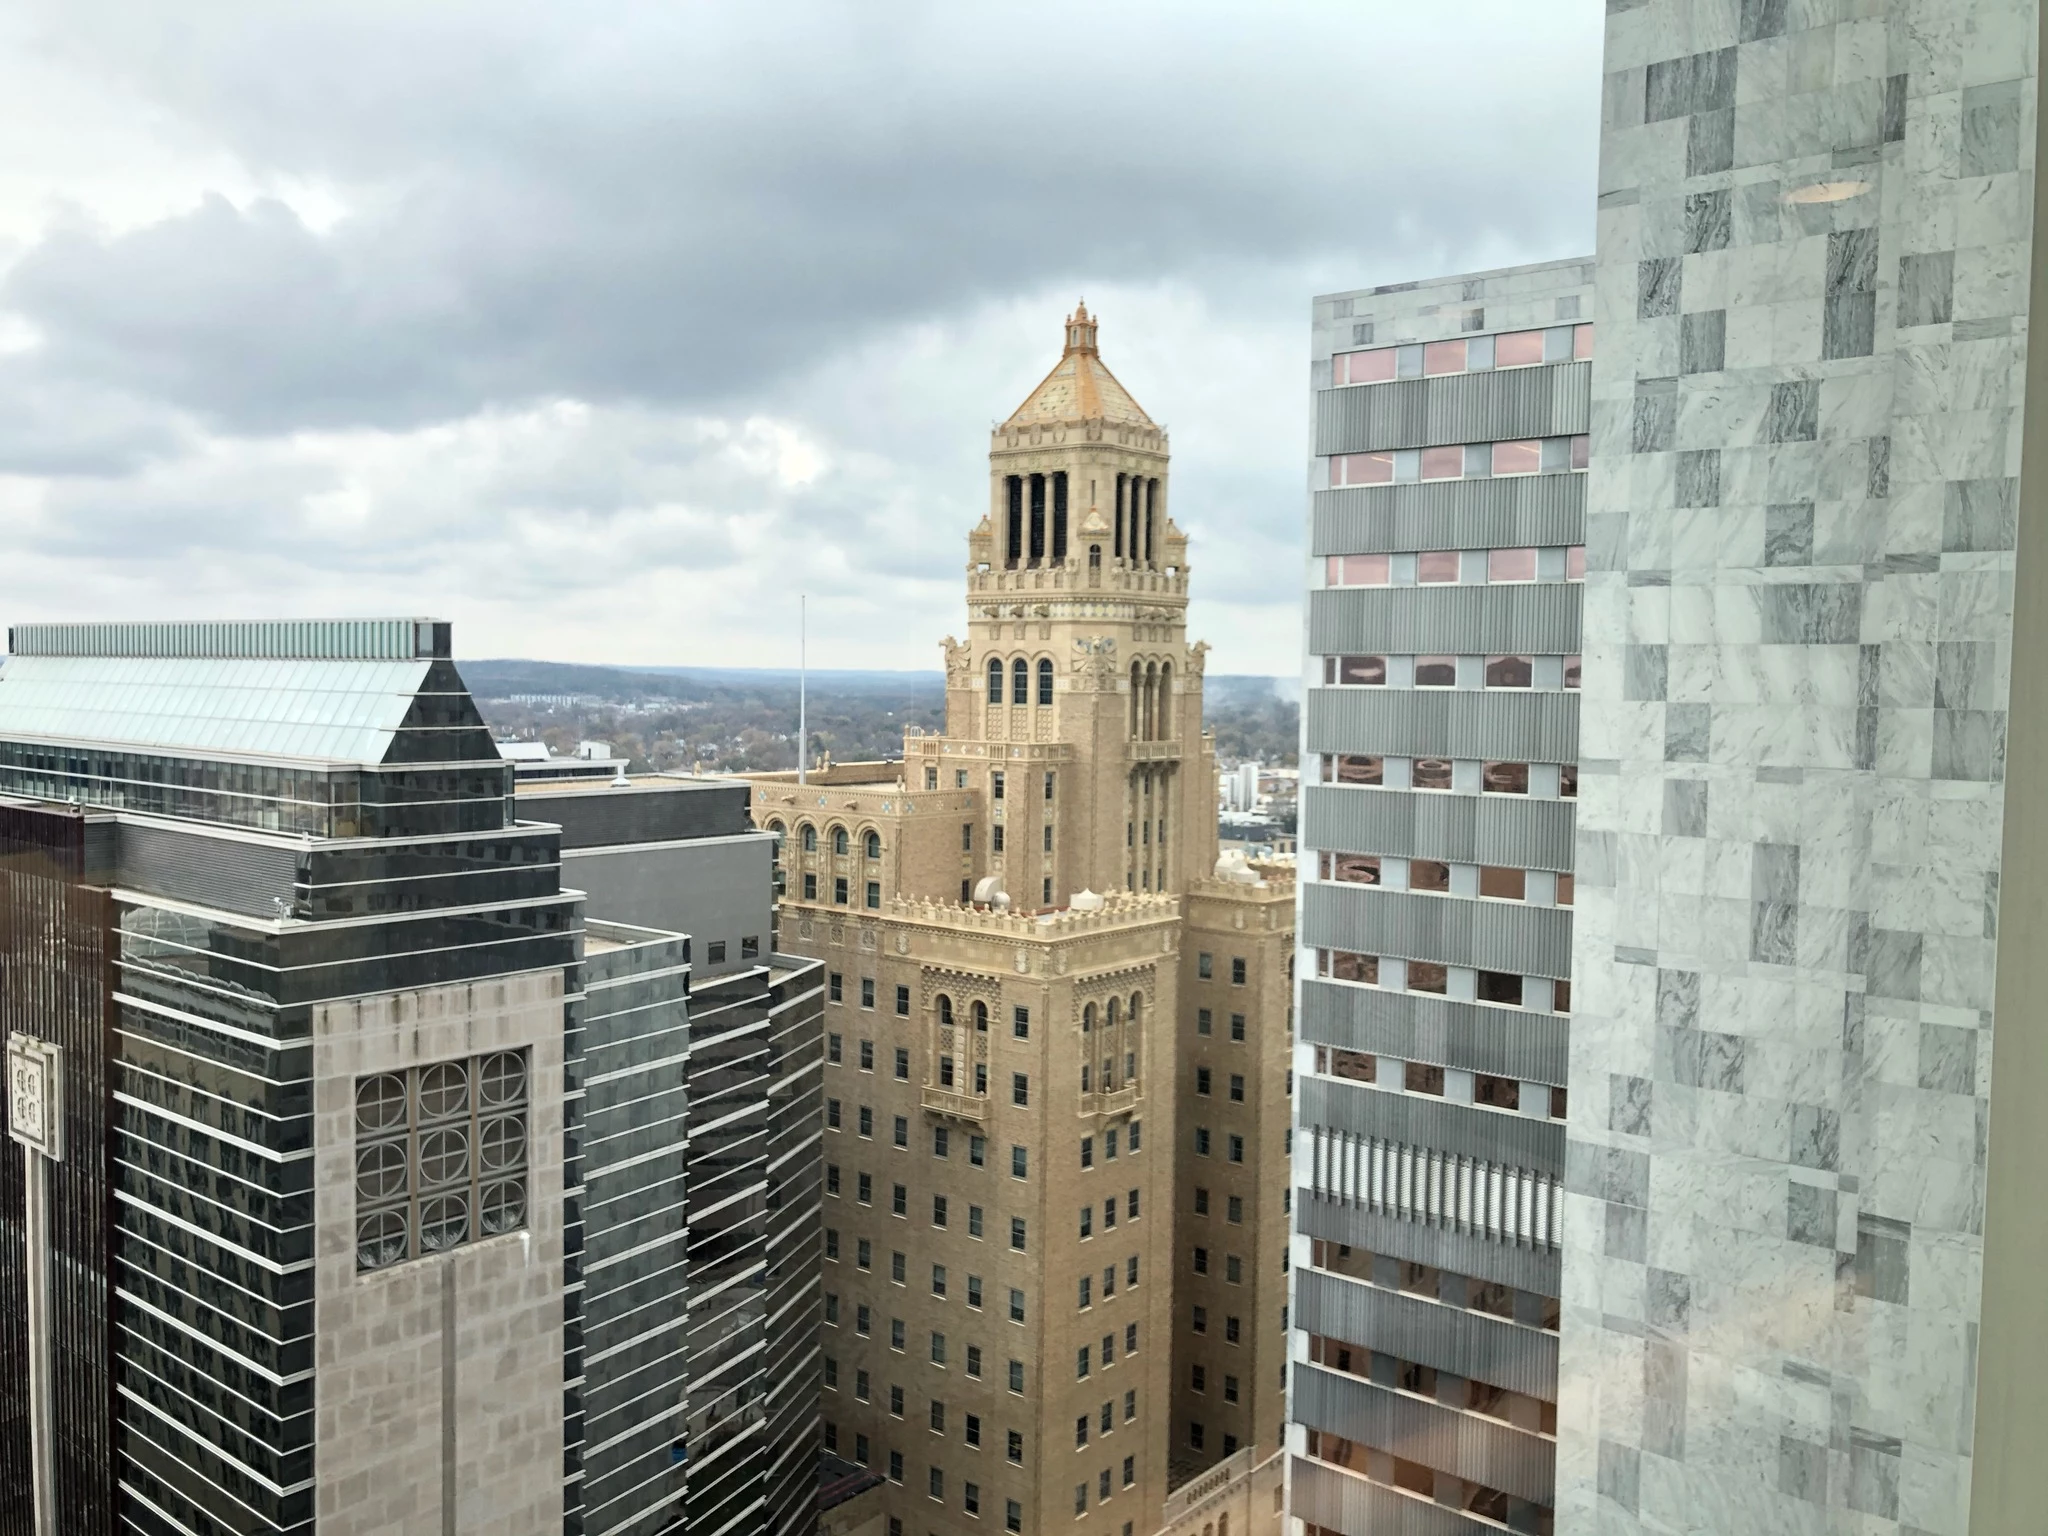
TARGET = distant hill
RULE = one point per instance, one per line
(744, 718)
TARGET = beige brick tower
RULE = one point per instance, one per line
(1016, 1123)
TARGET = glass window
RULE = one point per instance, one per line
(1511, 565)
(1436, 671)
(1500, 987)
(1352, 868)
(1571, 671)
(1518, 458)
(1343, 965)
(1581, 451)
(1428, 875)
(1564, 890)
(1357, 570)
(1568, 781)
(1504, 778)
(1356, 671)
(1446, 462)
(1437, 565)
(1575, 563)
(1427, 976)
(1443, 357)
(1349, 769)
(1582, 343)
(1362, 469)
(1517, 349)
(1502, 884)
(1374, 367)
(1510, 671)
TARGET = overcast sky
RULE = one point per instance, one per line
(603, 330)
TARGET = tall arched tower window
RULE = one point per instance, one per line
(1020, 681)
(995, 680)
(1165, 732)
(1045, 680)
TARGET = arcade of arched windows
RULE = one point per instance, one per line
(1021, 683)
(958, 1029)
(1035, 520)
(835, 863)
(1148, 794)
(1110, 1043)
(1152, 705)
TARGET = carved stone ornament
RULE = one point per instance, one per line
(1198, 654)
(35, 1095)
(902, 943)
(1023, 962)
(959, 661)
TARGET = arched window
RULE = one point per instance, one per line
(1109, 1016)
(1166, 701)
(1020, 681)
(995, 680)
(981, 1018)
(775, 828)
(1150, 720)
(1088, 1018)
(1137, 1002)
(874, 845)
(810, 838)
(1094, 557)
(1137, 694)
(1045, 680)
(839, 840)
(945, 1010)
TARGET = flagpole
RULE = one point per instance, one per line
(803, 735)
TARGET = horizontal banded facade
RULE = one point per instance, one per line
(1439, 817)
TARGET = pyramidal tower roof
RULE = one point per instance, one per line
(1079, 388)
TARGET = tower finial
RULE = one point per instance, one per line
(1080, 329)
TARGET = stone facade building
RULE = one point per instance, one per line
(1056, 1080)
(1795, 1242)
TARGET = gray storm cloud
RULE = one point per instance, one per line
(851, 227)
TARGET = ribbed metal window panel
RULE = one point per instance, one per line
(1551, 401)
(1518, 830)
(1512, 512)
(1516, 726)
(1416, 1026)
(1452, 930)
(308, 639)
(1479, 1196)
(1470, 1344)
(1519, 618)
(1422, 1120)
(1462, 1444)
(1463, 1253)
(230, 874)
(1338, 1502)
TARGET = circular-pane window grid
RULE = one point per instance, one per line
(380, 1239)
(502, 1143)
(503, 1207)
(444, 1157)
(381, 1171)
(444, 1223)
(380, 1102)
(444, 1090)
(501, 1079)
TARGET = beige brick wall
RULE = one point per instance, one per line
(381, 1341)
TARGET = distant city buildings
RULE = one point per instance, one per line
(1057, 1030)
(393, 1186)
(1756, 1249)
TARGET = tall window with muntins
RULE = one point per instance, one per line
(440, 1157)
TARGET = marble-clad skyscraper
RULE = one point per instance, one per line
(1800, 1240)
(1799, 1249)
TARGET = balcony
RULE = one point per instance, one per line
(1155, 751)
(1124, 1098)
(956, 1105)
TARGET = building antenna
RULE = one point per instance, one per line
(803, 735)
